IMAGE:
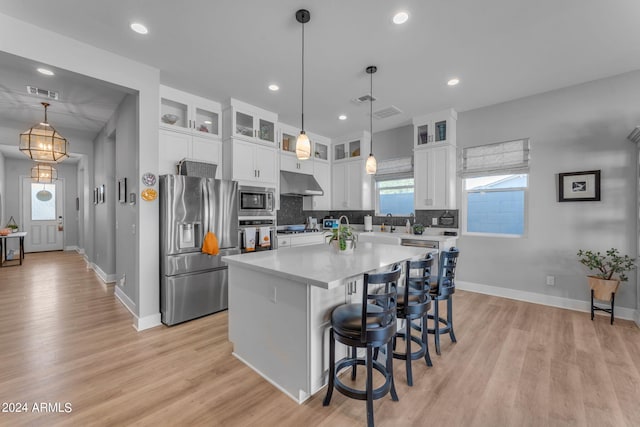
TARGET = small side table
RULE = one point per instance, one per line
(608, 310)
(3, 247)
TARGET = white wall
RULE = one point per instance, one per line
(23, 39)
(3, 193)
(579, 128)
(126, 161)
(104, 213)
(393, 143)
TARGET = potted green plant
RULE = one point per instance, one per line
(610, 270)
(12, 225)
(342, 239)
(418, 228)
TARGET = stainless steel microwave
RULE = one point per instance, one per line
(256, 201)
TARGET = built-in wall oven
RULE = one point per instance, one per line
(256, 201)
(250, 231)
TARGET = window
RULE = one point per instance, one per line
(496, 204)
(495, 183)
(395, 195)
(43, 202)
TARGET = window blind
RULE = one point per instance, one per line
(402, 165)
(502, 158)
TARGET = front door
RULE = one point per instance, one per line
(42, 213)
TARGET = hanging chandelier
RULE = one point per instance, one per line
(43, 143)
(44, 173)
(303, 146)
(371, 165)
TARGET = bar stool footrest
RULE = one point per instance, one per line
(361, 394)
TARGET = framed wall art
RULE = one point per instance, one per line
(579, 186)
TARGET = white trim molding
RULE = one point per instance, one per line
(139, 323)
(106, 278)
(72, 248)
(550, 300)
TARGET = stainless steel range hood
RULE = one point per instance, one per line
(299, 184)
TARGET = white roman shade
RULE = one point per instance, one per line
(502, 158)
(402, 165)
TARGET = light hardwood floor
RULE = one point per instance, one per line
(64, 338)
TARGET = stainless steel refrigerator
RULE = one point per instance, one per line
(194, 284)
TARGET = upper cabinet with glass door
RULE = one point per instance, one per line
(184, 112)
(435, 129)
(250, 123)
(352, 146)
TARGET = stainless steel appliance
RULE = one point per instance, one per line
(193, 284)
(256, 201)
(256, 224)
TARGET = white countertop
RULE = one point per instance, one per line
(320, 265)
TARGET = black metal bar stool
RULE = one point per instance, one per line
(414, 303)
(369, 325)
(443, 289)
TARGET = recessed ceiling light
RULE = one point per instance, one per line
(400, 18)
(342, 117)
(45, 71)
(274, 87)
(139, 28)
(453, 82)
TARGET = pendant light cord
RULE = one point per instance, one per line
(371, 114)
(302, 77)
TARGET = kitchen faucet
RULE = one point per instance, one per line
(392, 228)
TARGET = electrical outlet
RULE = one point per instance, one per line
(551, 281)
(434, 221)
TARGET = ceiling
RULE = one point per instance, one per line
(499, 49)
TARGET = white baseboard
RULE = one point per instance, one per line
(72, 248)
(139, 323)
(106, 278)
(550, 300)
(638, 317)
(147, 322)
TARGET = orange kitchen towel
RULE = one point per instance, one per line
(210, 245)
(265, 239)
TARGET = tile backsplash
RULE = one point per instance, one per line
(291, 212)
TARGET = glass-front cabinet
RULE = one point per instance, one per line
(435, 129)
(250, 123)
(181, 111)
(351, 146)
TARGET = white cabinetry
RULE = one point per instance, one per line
(352, 146)
(249, 123)
(322, 174)
(435, 177)
(190, 112)
(435, 129)
(250, 163)
(175, 146)
(302, 239)
(289, 162)
(194, 134)
(351, 188)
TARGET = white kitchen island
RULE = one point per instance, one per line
(280, 304)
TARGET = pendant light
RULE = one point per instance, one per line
(43, 143)
(372, 165)
(44, 173)
(303, 146)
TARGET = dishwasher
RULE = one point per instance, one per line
(427, 244)
(419, 243)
